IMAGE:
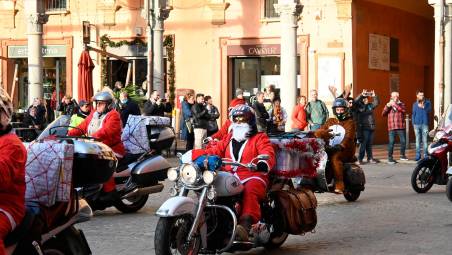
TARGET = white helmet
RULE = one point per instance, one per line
(6, 105)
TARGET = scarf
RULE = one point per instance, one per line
(96, 123)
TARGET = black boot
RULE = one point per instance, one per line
(243, 228)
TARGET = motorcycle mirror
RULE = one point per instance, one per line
(263, 157)
(179, 155)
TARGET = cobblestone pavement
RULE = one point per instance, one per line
(388, 218)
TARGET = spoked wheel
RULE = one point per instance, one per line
(131, 204)
(171, 236)
(422, 178)
(352, 196)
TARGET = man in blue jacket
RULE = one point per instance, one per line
(421, 111)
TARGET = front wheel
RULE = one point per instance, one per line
(171, 236)
(352, 196)
(449, 189)
(132, 204)
(422, 177)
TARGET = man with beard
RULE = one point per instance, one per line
(345, 151)
(243, 144)
(13, 157)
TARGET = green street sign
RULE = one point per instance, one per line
(48, 51)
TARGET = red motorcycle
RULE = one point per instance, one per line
(432, 169)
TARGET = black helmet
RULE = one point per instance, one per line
(340, 102)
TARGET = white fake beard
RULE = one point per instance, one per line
(240, 131)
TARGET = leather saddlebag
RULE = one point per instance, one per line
(299, 210)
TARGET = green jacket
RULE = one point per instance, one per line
(316, 112)
(76, 119)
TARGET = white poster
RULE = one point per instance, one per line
(329, 73)
(379, 52)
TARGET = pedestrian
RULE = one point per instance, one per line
(239, 99)
(118, 86)
(278, 117)
(32, 119)
(83, 112)
(201, 118)
(127, 107)
(316, 111)
(212, 126)
(187, 133)
(366, 123)
(299, 122)
(421, 111)
(395, 110)
(156, 106)
(68, 106)
(262, 116)
(40, 110)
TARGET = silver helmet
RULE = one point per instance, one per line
(105, 96)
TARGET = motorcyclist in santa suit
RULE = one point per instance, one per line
(13, 157)
(345, 151)
(243, 144)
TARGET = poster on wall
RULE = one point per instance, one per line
(275, 80)
(329, 73)
(379, 52)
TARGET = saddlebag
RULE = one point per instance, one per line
(354, 177)
(298, 207)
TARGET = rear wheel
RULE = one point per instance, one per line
(69, 242)
(352, 196)
(132, 204)
(171, 236)
(422, 177)
(277, 235)
(449, 189)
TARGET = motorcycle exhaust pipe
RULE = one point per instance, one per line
(144, 191)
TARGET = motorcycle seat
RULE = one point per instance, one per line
(21, 230)
(124, 162)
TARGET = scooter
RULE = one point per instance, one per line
(206, 223)
(433, 168)
(136, 176)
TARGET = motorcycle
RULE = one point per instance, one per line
(354, 178)
(207, 223)
(136, 175)
(433, 168)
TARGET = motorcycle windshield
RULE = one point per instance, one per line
(58, 127)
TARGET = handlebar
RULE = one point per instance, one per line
(84, 136)
(251, 166)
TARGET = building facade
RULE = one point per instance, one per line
(221, 45)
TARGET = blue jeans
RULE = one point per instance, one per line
(401, 134)
(421, 132)
(367, 137)
(314, 127)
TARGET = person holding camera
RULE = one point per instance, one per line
(395, 110)
(156, 106)
(365, 120)
(201, 119)
(421, 111)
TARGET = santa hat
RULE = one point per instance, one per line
(236, 101)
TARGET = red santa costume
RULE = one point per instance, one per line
(13, 158)
(243, 144)
(106, 127)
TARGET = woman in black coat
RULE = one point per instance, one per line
(366, 123)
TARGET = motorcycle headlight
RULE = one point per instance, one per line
(208, 176)
(172, 174)
(188, 174)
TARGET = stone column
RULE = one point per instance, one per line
(35, 19)
(161, 13)
(289, 10)
(438, 63)
(448, 54)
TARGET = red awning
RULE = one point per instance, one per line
(85, 77)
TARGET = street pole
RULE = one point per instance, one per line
(289, 11)
(447, 20)
(161, 12)
(149, 17)
(35, 19)
(438, 6)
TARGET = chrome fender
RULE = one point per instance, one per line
(176, 206)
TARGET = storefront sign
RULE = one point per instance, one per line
(254, 50)
(48, 51)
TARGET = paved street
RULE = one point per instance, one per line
(389, 218)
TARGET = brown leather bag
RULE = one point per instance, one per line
(298, 208)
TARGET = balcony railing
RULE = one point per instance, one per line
(56, 5)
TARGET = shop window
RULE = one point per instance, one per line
(269, 9)
(56, 5)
